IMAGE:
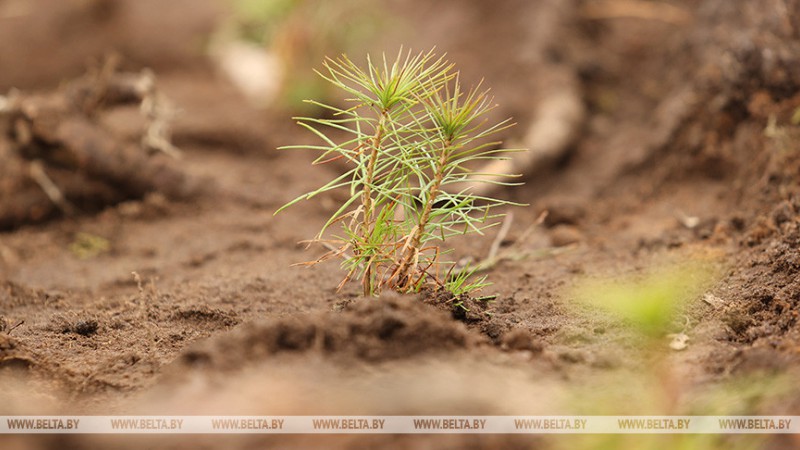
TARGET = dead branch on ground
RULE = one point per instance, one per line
(58, 157)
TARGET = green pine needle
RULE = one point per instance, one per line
(413, 131)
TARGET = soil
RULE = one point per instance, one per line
(688, 152)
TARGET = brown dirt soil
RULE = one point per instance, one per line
(688, 153)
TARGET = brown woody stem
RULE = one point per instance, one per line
(366, 195)
(412, 251)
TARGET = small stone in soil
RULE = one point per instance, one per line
(678, 341)
(563, 235)
(85, 327)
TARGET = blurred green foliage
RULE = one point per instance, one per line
(301, 33)
(258, 19)
(648, 302)
(87, 245)
(651, 303)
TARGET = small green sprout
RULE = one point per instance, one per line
(464, 282)
(87, 245)
(412, 133)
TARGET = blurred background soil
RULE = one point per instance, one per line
(683, 147)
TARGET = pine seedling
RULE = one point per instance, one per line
(412, 132)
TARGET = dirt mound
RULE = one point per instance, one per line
(689, 149)
(765, 315)
(716, 141)
(390, 327)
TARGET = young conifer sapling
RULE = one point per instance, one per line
(413, 134)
